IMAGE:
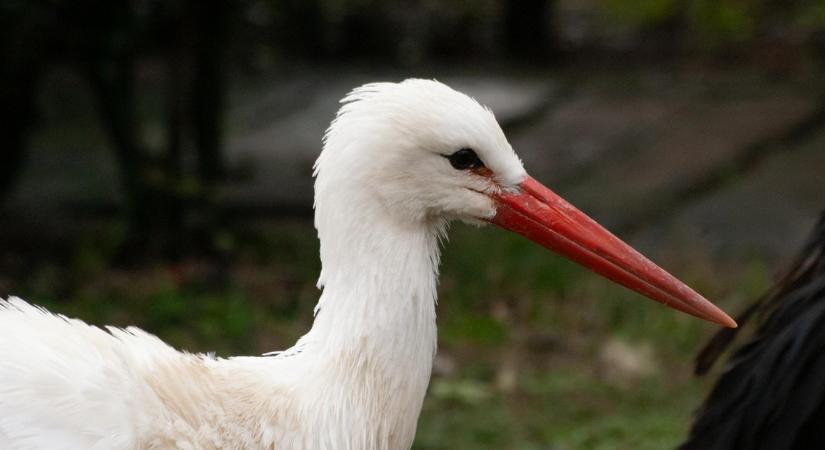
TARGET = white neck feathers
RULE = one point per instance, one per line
(374, 334)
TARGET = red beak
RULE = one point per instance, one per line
(540, 215)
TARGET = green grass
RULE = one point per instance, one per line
(563, 409)
(508, 310)
(560, 400)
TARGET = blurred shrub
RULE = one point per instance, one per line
(641, 12)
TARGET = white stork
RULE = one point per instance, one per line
(400, 161)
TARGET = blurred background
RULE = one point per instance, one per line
(155, 169)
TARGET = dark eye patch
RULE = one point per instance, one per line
(465, 159)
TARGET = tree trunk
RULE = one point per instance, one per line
(23, 48)
(207, 108)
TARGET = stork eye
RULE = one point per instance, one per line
(465, 159)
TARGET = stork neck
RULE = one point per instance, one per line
(379, 281)
(371, 347)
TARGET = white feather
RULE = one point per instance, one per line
(356, 380)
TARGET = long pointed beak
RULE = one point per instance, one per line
(540, 215)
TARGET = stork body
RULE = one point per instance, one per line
(400, 161)
(355, 381)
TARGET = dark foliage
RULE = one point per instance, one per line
(772, 392)
(169, 207)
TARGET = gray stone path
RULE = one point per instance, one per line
(279, 151)
(619, 151)
(622, 157)
(766, 215)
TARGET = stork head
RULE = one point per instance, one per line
(424, 151)
(418, 152)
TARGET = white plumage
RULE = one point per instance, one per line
(400, 161)
(356, 380)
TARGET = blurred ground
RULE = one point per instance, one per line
(717, 174)
(699, 156)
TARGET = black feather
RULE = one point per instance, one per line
(771, 394)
